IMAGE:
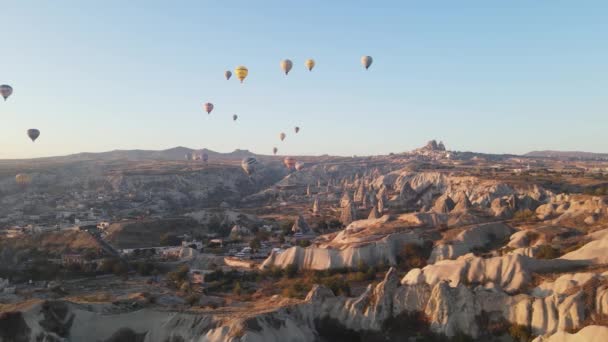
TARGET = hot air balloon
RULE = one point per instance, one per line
(234, 117)
(6, 91)
(299, 166)
(296, 129)
(282, 136)
(208, 107)
(286, 65)
(241, 72)
(23, 179)
(205, 157)
(366, 61)
(289, 162)
(33, 134)
(310, 63)
(248, 164)
(227, 74)
(275, 150)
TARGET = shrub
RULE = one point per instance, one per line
(168, 239)
(145, 268)
(525, 215)
(303, 243)
(520, 333)
(237, 290)
(337, 284)
(193, 299)
(547, 252)
(255, 244)
(179, 275)
(414, 256)
(291, 271)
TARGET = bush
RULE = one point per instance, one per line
(237, 290)
(303, 243)
(107, 265)
(255, 244)
(168, 239)
(337, 284)
(520, 333)
(179, 275)
(526, 215)
(286, 227)
(296, 290)
(547, 252)
(414, 256)
(193, 299)
(145, 268)
(291, 271)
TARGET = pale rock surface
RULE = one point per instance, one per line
(469, 239)
(592, 333)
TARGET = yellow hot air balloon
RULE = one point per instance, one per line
(241, 72)
(286, 65)
(310, 63)
(23, 179)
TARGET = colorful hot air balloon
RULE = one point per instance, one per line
(289, 162)
(227, 74)
(367, 61)
(208, 107)
(282, 136)
(275, 150)
(234, 117)
(241, 72)
(33, 134)
(286, 65)
(23, 179)
(310, 63)
(296, 129)
(299, 166)
(6, 91)
(248, 164)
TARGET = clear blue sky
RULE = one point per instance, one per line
(488, 76)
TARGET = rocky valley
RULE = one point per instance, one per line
(427, 245)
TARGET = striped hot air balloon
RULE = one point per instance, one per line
(248, 164)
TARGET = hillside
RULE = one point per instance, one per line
(568, 155)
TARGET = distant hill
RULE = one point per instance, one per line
(175, 153)
(568, 155)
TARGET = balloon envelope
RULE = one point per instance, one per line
(228, 74)
(241, 72)
(289, 162)
(208, 107)
(6, 91)
(310, 63)
(367, 61)
(286, 65)
(296, 129)
(282, 136)
(23, 179)
(248, 164)
(33, 134)
(275, 150)
(234, 117)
